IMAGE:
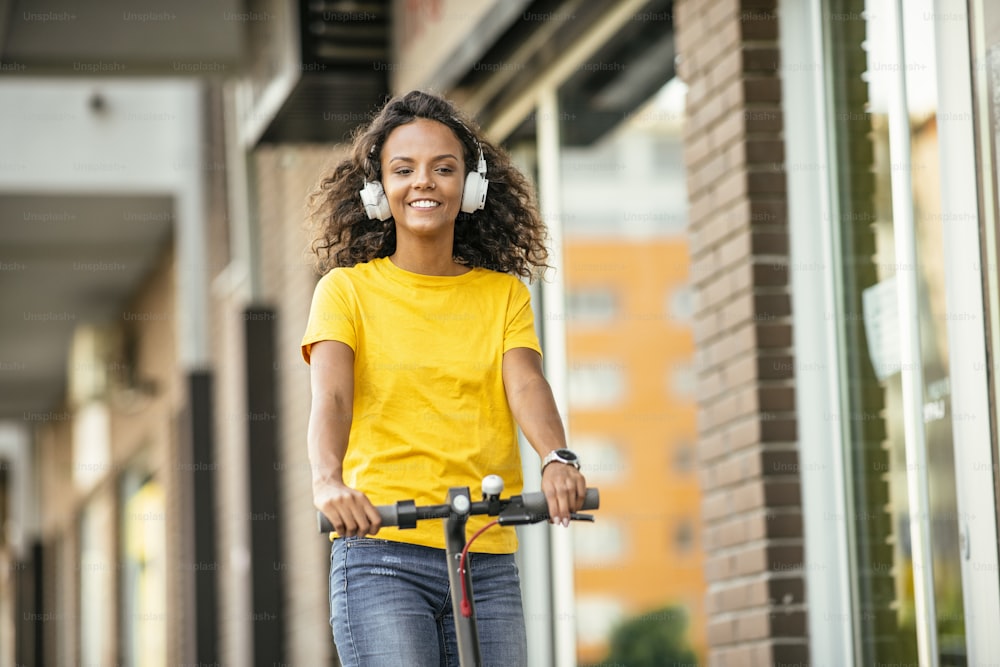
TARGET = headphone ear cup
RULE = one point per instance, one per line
(376, 204)
(474, 195)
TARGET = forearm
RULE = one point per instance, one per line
(332, 381)
(332, 373)
(349, 510)
(327, 438)
(534, 409)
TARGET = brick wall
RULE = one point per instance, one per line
(751, 511)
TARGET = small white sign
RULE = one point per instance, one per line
(881, 313)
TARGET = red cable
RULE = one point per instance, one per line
(466, 606)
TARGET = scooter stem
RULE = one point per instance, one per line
(454, 531)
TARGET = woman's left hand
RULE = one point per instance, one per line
(565, 489)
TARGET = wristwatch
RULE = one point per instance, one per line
(561, 456)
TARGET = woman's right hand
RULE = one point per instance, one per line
(349, 510)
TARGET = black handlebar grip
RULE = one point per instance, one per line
(390, 517)
(534, 501)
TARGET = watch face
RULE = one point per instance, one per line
(566, 455)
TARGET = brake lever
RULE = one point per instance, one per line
(518, 516)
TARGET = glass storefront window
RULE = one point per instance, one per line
(883, 473)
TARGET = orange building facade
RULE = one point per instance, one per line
(632, 418)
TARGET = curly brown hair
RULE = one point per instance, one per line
(508, 235)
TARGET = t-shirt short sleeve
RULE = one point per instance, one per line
(520, 326)
(333, 314)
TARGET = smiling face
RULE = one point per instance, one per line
(423, 174)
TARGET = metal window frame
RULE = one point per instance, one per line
(907, 295)
(816, 309)
(967, 337)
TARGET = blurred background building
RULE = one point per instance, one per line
(770, 328)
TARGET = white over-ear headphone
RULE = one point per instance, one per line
(473, 196)
(376, 204)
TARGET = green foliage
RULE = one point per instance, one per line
(654, 639)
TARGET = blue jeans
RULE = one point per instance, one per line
(390, 606)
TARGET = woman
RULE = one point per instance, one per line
(423, 356)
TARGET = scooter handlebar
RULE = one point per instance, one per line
(533, 502)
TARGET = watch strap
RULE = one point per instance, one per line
(555, 457)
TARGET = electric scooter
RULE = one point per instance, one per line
(516, 510)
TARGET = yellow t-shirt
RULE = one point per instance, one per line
(430, 411)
